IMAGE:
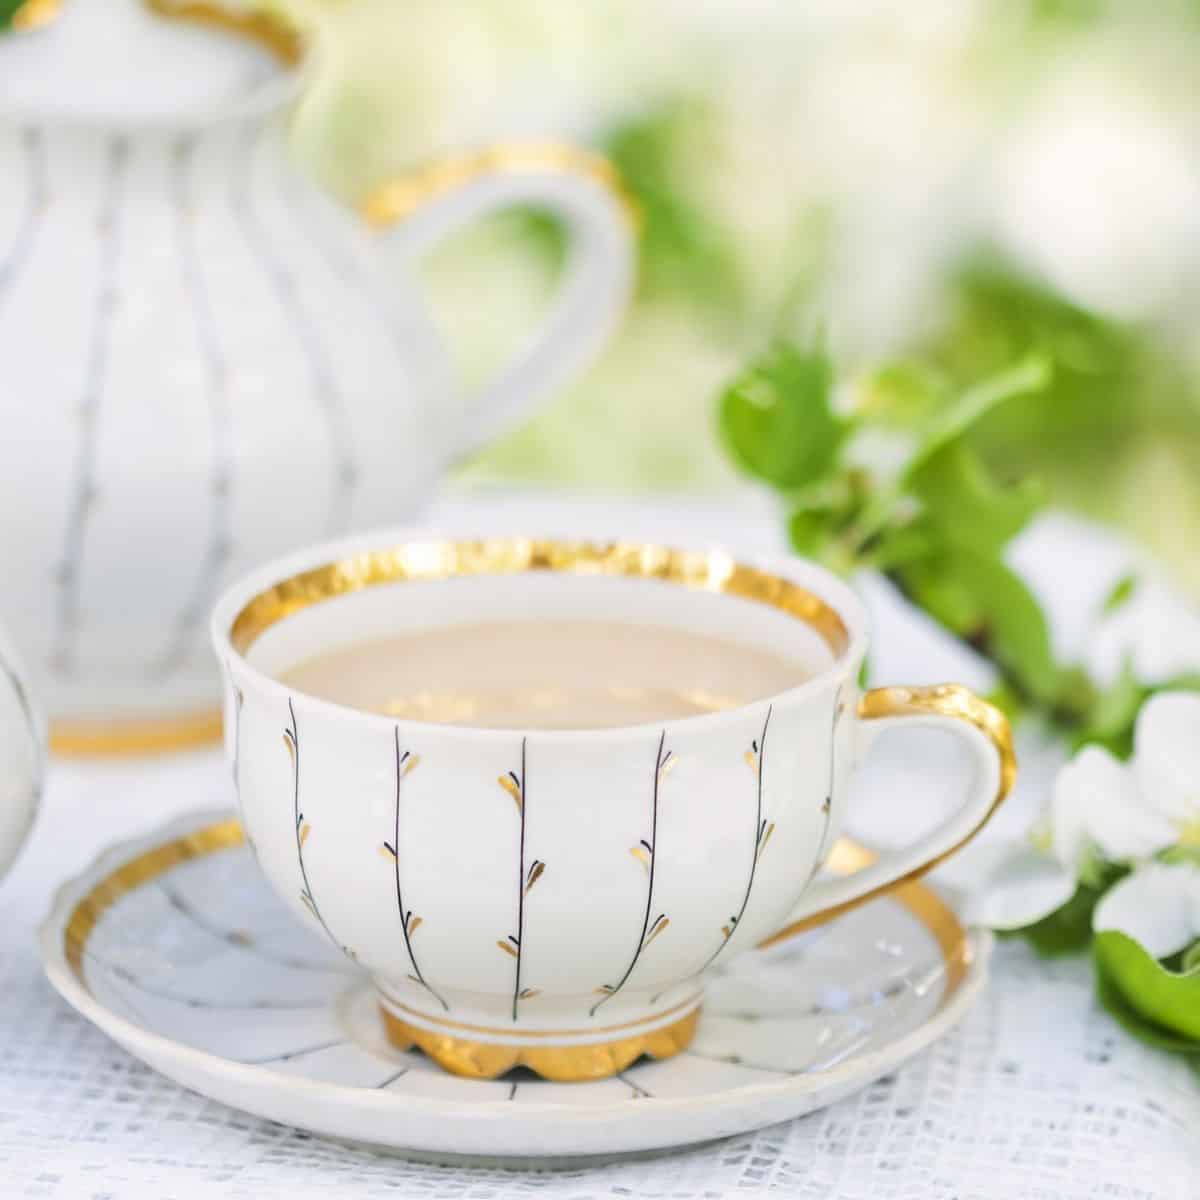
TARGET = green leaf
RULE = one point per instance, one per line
(901, 395)
(1114, 1002)
(8, 10)
(777, 420)
(1068, 929)
(983, 601)
(1007, 700)
(685, 253)
(1121, 593)
(907, 544)
(809, 531)
(1030, 375)
(1181, 852)
(967, 506)
(1167, 999)
(1109, 716)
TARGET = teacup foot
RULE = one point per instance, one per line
(570, 1063)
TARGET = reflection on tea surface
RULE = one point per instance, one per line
(564, 674)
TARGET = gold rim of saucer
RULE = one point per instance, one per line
(136, 736)
(698, 570)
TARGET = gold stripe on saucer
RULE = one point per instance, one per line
(266, 28)
(395, 201)
(120, 738)
(711, 570)
(848, 857)
(136, 872)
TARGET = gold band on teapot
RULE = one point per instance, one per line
(392, 202)
(268, 29)
(134, 736)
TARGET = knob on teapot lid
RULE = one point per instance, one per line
(141, 62)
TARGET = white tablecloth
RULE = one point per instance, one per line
(1037, 1094)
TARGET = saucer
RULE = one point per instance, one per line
(175, 946)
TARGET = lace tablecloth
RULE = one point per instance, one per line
(1037, 1094)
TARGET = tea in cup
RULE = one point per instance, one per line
(539, 788)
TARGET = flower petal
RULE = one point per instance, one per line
(1158, 906)
(1097, 803)
(1167, 748)
(1020, 890)
(1158, 629)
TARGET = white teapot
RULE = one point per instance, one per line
(205, 360)
(20, 756)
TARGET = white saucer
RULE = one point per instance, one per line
(175, 946)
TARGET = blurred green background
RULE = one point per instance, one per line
(935, 189)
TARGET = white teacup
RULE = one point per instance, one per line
(554, 898)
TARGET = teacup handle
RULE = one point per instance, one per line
(581, 188)
(986, 732)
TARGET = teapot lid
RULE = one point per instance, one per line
(127, 63)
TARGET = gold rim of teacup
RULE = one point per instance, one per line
(438, 559)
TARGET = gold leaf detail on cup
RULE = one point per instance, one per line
(305, 830)
(411, 762)
(414, 923)
(535, 873)
(751, 760)
(605, 989)
(764, 837)
(507, 947)
(530, 992)
(659, 925)
(667, 765)
(290, 743)
(641, 854)
(387, 852)
(513, 788)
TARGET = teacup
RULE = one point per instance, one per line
(554, 898)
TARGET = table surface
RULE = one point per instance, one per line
(1037, 1094)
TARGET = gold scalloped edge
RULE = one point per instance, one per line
(701, 570)
(33, 14)
(560, 1064)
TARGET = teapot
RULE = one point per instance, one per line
(20, 756)
(207, 361)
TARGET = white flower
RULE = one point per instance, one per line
(1158, 906)
(1157, 631)
(1167, 760)
(1122, 813)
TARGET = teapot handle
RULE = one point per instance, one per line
(585, 192)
